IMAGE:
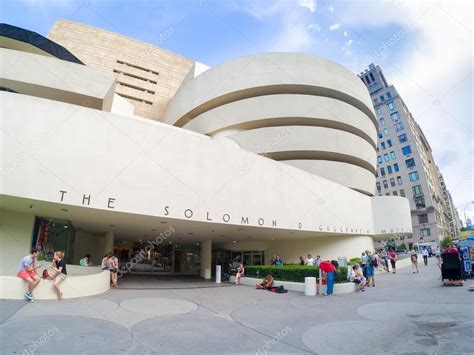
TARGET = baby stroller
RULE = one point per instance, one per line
(451, 274)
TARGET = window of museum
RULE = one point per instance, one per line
(402, 192)
(378, 110)
(382, 171)
(395, 167)
(422, 218)
(420, 202)
(382, 121)
(385, 132)
(386, 158)
(395, 193)
(399, 126)
(391, 105)
(416, 190)
(389, 143)
(402, 138)
(382, 145)
(389, 169)
(393, 155)
(399, 180)
(406, 150)
(378, 186)
(410, 163)
(382, 98)
(385, 184)
(414, 176)
(392, 182)
(379, 159)
(425, 232)
(395, 116)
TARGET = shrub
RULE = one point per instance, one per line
(354, 261)
(294, 273)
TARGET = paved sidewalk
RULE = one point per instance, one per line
(404, 313)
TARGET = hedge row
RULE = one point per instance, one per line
(294, 273)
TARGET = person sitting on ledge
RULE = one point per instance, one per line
(86, 260)
(357, 278)
(266, 283)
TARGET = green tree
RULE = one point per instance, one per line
(446, 240)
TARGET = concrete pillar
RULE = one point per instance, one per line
(108, 242)
(206, 257)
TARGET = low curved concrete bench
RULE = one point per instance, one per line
(81, 282)
(347, 287)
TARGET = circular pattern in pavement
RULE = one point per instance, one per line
(390, 311)
(158, 306)
(353, 337)
(63, 334)
(193, 334)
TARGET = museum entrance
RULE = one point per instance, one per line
(148, 259)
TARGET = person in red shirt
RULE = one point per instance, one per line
(328, 268)
(450, 249)
(393, 259)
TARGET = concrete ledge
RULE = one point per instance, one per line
(94, 281)
(347, 287)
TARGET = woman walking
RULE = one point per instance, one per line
(414, 261)
(110, 267)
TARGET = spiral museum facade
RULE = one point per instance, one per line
(267, 154)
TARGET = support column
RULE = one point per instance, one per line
(206, 258)
(108, 242)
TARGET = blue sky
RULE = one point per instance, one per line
(424, 48)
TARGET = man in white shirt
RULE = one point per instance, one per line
(310, 260)
(424, 252)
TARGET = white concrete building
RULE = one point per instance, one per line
(267, 154)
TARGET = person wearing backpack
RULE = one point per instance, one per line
(370, 268)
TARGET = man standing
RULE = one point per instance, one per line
(393, 260)
(27, 272)
(310, 260)
(414, 261)
(424, 252)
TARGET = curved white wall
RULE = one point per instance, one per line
(349, 175)
(255, 100)
(145, 166)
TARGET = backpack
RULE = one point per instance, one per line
(278, 289)
(373, 261)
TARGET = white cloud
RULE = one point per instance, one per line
(347, 48)
(309, 4)
(331, 9)
(314, 27)
(335, 27)
(345, 33)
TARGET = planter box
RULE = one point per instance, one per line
(347, 287)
